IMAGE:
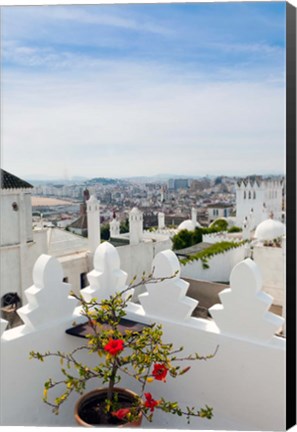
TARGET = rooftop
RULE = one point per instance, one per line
(10, 181)
(237, 382)
(62, 242)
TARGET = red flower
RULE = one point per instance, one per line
(121, 413)
(114, 346)
(160, 372)
(150, 402)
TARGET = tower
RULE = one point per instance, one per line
(161, 220)
(136, 226)
(194, 216)
(259, 196)
(93, 212)
(114, 227)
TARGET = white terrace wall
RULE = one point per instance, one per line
(219, 237)
(271, 262)
(135, 259)
(244, 382)
(220, 266)
(17, 261)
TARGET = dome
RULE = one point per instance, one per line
(188, 225)
(269, 229)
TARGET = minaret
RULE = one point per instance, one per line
(161, 220)
(114, 227)
(194, 216)
(93, 212)
(135, 226)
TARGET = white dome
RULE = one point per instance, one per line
(269, 229)
(188, 225)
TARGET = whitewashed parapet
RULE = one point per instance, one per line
(107, 278)
(48, 299)
(167, 298)
(219, 237)
(244, 308)
(4, 324)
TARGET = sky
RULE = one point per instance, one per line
(143, 89)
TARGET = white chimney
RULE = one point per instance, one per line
(93, 212)
(135, 226)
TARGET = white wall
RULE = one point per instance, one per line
(244, 382)
(73, 265)
(10, 274)
(135, 259)
(10, 219)
(269, 193)
(17, 263)
(271, 263)
(217, 213)
(221, 236)
(220, 266)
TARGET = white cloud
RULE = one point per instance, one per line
(128, 119)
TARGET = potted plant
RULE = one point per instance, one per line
(140, 354)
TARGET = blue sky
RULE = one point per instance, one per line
(119, 90)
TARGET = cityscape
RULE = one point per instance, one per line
(174, 197)
(143, 194)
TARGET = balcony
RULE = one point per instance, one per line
(244, 382)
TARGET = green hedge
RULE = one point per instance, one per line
(187, 238)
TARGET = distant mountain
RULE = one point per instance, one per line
(39, 181)
(161, 178)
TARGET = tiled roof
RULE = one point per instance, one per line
(219, 205)
(81, 222)
(10, 181)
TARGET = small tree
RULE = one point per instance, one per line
(141, 355)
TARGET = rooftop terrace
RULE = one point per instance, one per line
(244, 382)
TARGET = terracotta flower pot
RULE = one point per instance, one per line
(88, 412)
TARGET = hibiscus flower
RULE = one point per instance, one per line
(114, 346)
(150, 402)
(121, 413)
(160, 372)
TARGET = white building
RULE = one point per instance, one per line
(138, 248)
(20, 246)
(261, 198)
(218, 211)
(269, 253)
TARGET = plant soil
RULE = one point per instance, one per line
(92, 410)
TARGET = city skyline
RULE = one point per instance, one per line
(136, 90)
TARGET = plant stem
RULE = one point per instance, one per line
(112, 380)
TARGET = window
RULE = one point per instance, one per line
(244, 195)
(83, 280)
(250, 195)
(254, 195)
(65, 279)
